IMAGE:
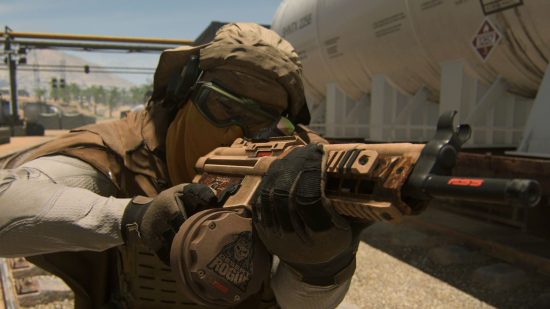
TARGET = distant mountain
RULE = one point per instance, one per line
(28, 80)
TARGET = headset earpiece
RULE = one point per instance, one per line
(181, 84)
(189, 76)
(303, 116)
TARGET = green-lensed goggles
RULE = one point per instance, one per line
(224, 109)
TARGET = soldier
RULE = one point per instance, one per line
(99, 207)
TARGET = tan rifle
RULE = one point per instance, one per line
(372, 182)
(218, 259)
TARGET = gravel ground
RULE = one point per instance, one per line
(65, 304)
(394, 270)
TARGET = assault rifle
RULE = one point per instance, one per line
(220, 262)
(375, 182)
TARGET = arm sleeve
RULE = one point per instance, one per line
(57, 203)
(293, 293)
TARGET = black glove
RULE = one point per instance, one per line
(297, 223)
(157, 220)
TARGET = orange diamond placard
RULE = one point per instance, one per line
(486, 38)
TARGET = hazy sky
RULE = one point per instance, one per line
(164, 19)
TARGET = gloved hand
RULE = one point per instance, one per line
(297, 223)
(157, 220)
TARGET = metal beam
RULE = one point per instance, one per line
(97, 38)
(536, 135)
(34, 44)
(419, 98)
(488, 101)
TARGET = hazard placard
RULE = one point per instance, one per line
(486, 38)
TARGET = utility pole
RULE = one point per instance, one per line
(62, 90)
(36, 72)
(12, 65)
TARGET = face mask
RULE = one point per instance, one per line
(191, 136)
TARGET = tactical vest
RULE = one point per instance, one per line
(130, 153)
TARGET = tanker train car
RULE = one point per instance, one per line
(383, 70)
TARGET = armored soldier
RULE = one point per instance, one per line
(99, 207)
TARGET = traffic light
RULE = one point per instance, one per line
(54, 82)
(61, 83)
(86, 69)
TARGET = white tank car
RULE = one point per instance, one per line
(349, 41)
(384, 69)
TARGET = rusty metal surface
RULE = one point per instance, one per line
(487, 165)
(533, 220)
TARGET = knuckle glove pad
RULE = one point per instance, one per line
(297, 223)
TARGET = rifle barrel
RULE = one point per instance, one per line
(518, 192)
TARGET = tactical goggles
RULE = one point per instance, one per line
(224, 109)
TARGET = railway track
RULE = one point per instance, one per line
(7, 291)
(24, 285)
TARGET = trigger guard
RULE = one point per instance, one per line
(218, 259)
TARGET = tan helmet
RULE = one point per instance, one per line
(250, 60)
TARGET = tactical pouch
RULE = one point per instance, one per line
(145, 282)
(218, 259)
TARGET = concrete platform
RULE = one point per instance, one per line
(508, 244)
(395, 272)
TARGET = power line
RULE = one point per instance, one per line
(59, 70)
(92, 67)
